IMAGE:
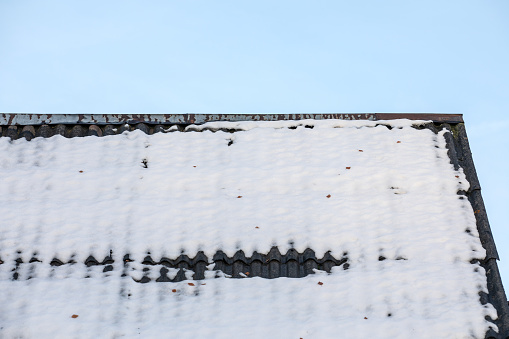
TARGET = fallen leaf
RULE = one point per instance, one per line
(190, 284)
(240, 196)
(328, 196)
(74, 316)
(81, 171)
(194, 166)
(247, 273)
(398, 142)
(257, 227)
(320, 283)
(361, 150)
(204, 284)
(348, 167)
(174, 290)
(365, 318)
(457, 176)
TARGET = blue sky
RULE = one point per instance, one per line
(270, 57)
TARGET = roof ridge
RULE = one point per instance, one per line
(9, 119)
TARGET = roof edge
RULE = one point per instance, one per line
(24, 119)
(461, 155)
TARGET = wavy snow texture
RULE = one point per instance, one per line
(357, 187)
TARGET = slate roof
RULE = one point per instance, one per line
(273, 263)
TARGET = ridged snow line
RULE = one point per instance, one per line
(30, 132)
(72, 131)
(271, 265)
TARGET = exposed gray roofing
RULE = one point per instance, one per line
(78, 125)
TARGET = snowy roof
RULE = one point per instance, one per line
(304, 228)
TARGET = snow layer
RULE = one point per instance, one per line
(342, 186)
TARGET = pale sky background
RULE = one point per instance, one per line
(270, 57)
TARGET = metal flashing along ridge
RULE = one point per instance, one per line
(26, 119)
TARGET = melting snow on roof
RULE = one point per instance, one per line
(382, 194)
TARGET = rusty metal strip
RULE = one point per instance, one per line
(440, 118)
(23, 119)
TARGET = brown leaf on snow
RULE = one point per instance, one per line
(365, 318)
(81, 171)
(398, 142)
(457, 176)
(240, 196)
(74, 316)
(194, 166)
(174, 290)
(361, 150)
(328, 196)
(348, 167)
(190, 284)
(257, 227)
(320, 283)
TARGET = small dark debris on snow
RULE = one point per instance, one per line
(144, 163)
(320, 283)
(74, 316)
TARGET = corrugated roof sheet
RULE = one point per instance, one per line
(363, 279)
